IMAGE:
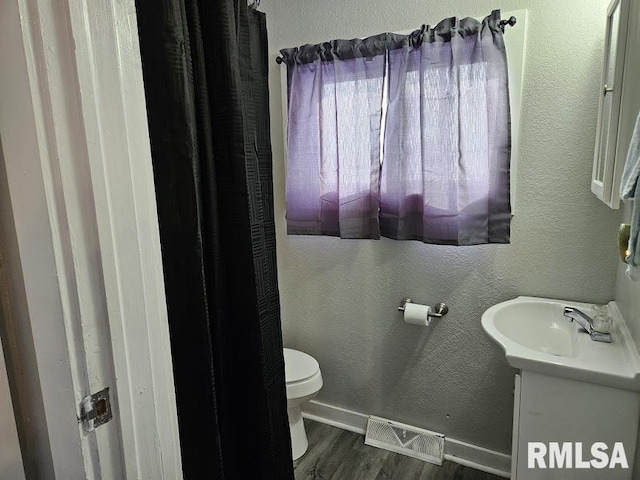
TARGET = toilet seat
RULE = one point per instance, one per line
(302, 374)
(298, 366)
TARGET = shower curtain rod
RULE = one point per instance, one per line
(503, 23)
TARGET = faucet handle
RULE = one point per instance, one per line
(602, 323)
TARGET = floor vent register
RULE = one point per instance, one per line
(405, 439)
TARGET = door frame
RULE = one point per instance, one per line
(72, 100)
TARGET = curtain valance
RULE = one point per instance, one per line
(379, 44)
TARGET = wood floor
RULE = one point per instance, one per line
(336, 454)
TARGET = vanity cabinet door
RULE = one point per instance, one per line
(561, 410)
(603, 181)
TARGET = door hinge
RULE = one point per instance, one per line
(95, 410)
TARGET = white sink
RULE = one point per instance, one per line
(536, 336)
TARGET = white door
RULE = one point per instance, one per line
(86, 268)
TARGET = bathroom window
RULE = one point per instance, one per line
(402, 136)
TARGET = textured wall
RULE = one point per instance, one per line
(339, 297)
(627, 295)
(627, 292)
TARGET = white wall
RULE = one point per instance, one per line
(10, 453)
(627, 292)
(16, 337)
(627, 295)
(339, 297)
(11, 466)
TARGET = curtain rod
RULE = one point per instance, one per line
(503, 23)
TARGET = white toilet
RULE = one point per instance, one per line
(304, 381)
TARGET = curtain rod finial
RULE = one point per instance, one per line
(511, 22)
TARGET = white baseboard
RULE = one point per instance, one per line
(477, 457)
(336, 416)
(454, 450)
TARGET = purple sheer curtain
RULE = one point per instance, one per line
(333, 149)
(443, 176)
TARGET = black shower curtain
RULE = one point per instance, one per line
(205, 75)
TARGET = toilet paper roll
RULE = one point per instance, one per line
(417, 314)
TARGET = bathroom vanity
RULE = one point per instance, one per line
(576, 400)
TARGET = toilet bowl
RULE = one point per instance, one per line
(304, 381)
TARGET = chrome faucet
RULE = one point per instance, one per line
(586, 322)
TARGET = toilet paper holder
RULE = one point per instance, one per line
(439, 311)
